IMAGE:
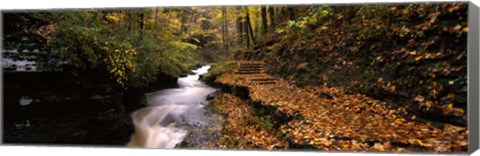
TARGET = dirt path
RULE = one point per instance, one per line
(328, 118)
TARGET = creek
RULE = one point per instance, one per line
(173, 114)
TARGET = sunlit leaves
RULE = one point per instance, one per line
(119, 61)
(303, 25)
(130, 50)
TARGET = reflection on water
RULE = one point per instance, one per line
(172, 113)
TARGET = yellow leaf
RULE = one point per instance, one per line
(393, 88)
(418, 58)
(380, 80)
(196, 40)
(423, 144)
(113, 18)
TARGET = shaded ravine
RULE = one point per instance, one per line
(172, 115)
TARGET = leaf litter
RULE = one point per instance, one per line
(326, 118)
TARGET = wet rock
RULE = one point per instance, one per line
(133, 99)
(212, 95)
(198, 65)
(98, 97)
(25, 100)
(202, 137)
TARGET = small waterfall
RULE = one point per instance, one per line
(171, 113)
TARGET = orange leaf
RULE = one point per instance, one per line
(418, 58)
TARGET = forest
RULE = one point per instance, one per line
(350, 77)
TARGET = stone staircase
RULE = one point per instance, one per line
(254, 72)
(250, 68)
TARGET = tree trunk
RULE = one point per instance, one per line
(249, 25)
(156, 15)
(140, 24)
(104, 16)
(183, 22)
(264, 20)
(129, 24)
(227, 36)
(271, 11)
(283, 14)
(246, 33)
(291, 13)
(224, 27)
(182, 26)
(239, 27)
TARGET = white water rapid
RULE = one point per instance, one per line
(171, 113)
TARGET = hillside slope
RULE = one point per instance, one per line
(412, 55)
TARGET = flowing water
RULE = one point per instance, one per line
(172, 113)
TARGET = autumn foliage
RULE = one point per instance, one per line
(244, 127)
(329, 118)
(411, 54)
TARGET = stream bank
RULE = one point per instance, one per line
(52, 108)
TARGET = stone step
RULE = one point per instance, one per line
(248, 72)
(255, 63)
(251, 63)
(249, 69)
(263, 79)
(262, 83)
(251, 66)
